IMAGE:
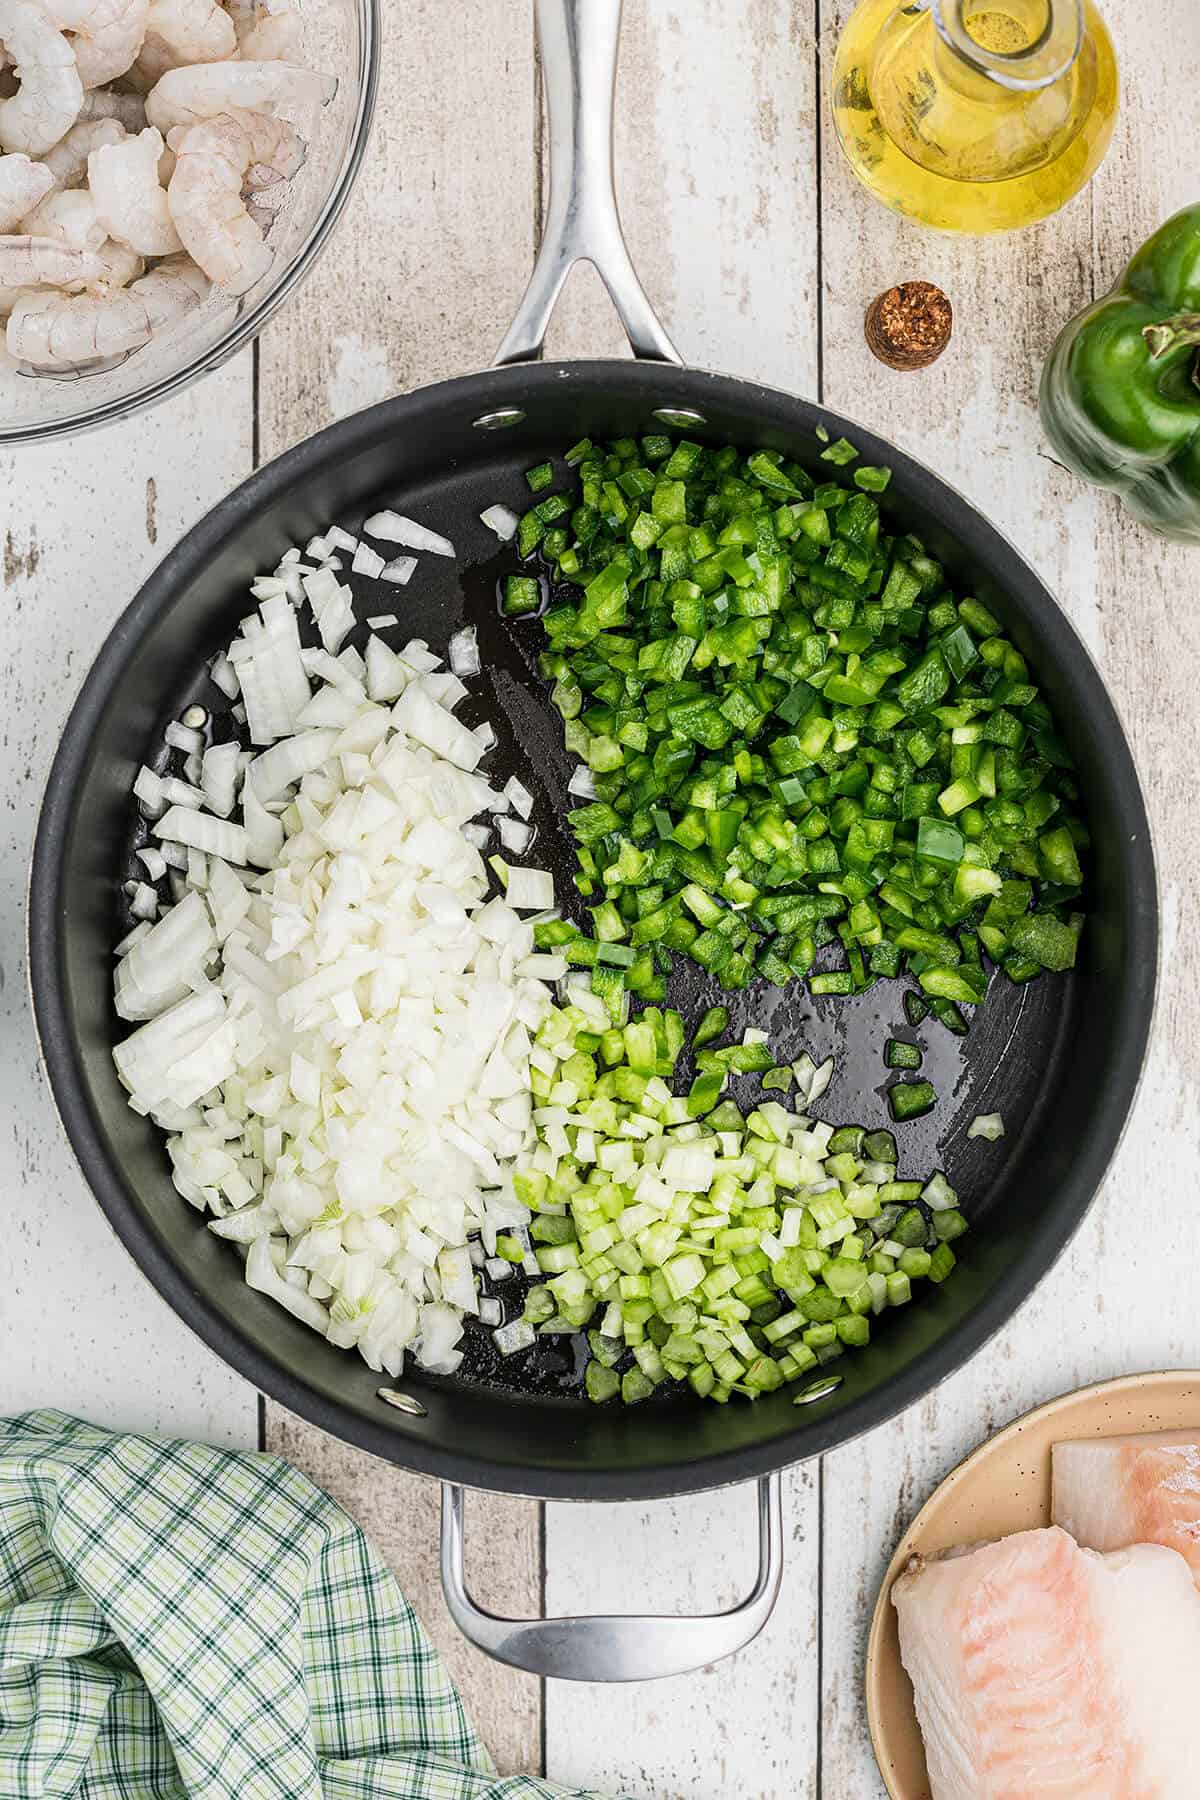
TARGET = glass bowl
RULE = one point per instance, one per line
(341, 38)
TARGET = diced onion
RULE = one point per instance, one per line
(821, 1079)
(529, 890)
(517, 1335)
(181, 793)
(140, 930)
(420, 657)
(219, 773)
(153, 862)
(174, 855)
(199, 831)
(224, 676)
(502, 521)
(178, 737)
(143, 902)
(464, 652)
(272, 773)
(520, 797)
(394, 528)
(148, 791)
(400, 570)
(349, 1130)
(368, 562)
(421, 718)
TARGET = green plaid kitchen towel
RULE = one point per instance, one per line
(184, 1623)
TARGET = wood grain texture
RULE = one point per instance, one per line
(718, 164)
(419, 282)
(745, 1727)
(400, 1514)
(716, 178)
(974, 418)
(81, 524)
(434, 249)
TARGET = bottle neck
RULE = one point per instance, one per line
(1021, 45)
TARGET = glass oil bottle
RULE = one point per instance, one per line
(975, 115)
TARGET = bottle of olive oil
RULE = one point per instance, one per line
(975, 115)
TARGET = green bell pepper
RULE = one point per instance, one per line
(1120, 396)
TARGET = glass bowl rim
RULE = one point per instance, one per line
(247, 327)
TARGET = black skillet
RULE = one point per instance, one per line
(1060, 1058)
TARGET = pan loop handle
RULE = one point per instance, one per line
(615, 1647)
(579, 58)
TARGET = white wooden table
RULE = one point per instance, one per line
(761, 253)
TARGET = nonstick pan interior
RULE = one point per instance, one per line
(1058, 1057)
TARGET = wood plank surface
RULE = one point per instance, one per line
(1104, 1310)
(719, 159)
(434, 249)
(716, 177)
(743, 1727)
(81, 524)
(419, 282)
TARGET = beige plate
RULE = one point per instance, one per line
(1004, 1486)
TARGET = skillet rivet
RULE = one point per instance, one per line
(402, 1402)
(680, 416)
(499, 421)
(819, 1389)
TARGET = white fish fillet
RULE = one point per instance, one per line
(1111, 1492)
(1047, 1672)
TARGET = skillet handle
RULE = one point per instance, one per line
(615, 1647)
(579, 57)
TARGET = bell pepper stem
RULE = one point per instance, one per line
(1172, 334)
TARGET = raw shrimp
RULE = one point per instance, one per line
(130, 204)
(260, 210)
(266, 32)
(22, 185)
(119, 266)
(183, 32)
(68, 217)
(171, 289)
(105, 35)
(185, 96)
(44, 262)
(59, 331)
(217, 160)
(47, 103)
(128, 109)
(53, 331)
(68, 160)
